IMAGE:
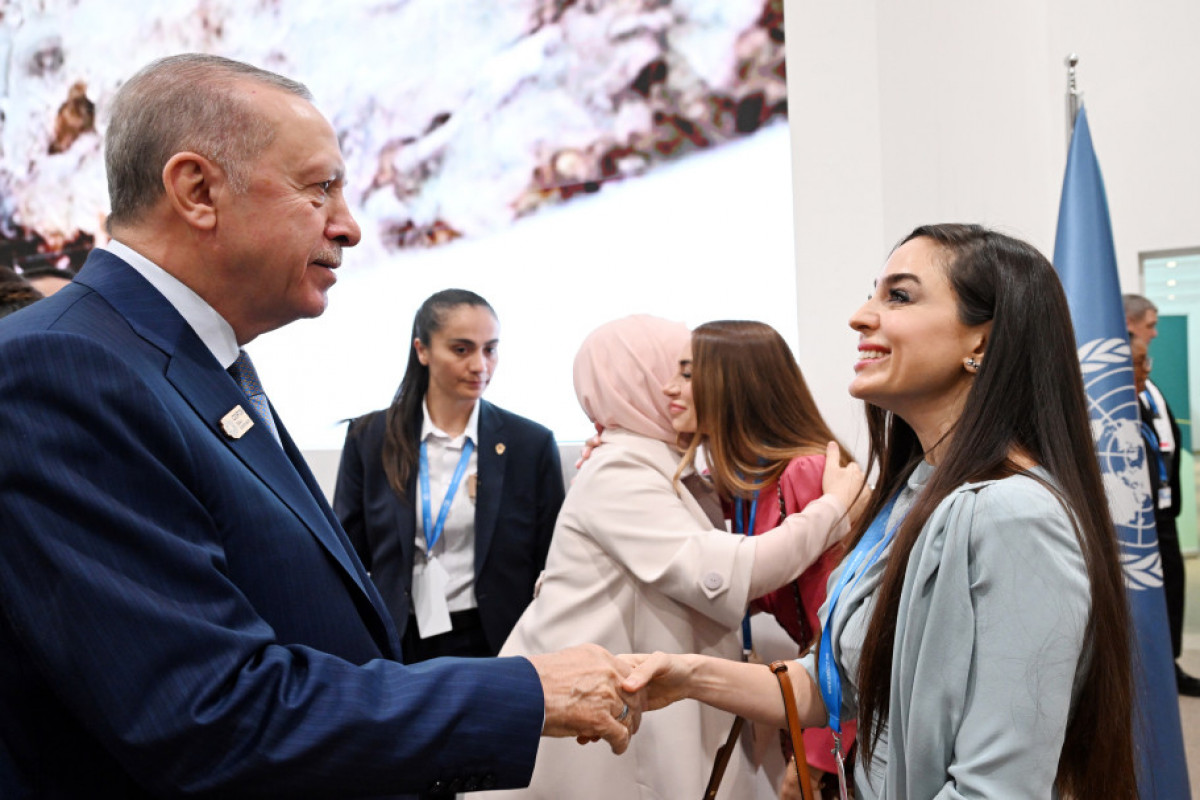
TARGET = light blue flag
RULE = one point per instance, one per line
(1087, 264)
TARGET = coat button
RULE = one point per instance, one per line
(713, 581)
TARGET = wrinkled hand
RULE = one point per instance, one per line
(848, 484)
(661, 678)
(590, 445)
(582, 689)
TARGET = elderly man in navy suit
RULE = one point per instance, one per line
(182, 613)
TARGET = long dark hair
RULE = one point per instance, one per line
(754, 412)
(1027, 398)
(401, 447)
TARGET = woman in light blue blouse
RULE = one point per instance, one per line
(977, 628)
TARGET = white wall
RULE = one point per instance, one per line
(950, 111)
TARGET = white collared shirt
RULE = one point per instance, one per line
(1162, 423)
(211, 327)
(455, 548)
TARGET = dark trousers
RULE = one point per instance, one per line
(466, 639)
(1174, 578)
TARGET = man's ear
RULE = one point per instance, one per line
(192, 185)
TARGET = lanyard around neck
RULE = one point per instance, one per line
(740, 526)
(1156, 448)
(434, 531)
(864, 555)
(1149, 398)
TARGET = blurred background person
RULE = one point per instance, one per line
(47, 277)
(642, 560)
(741, 392)
(978, 627)
(450, 500)
(1141, 318)
(15, 292)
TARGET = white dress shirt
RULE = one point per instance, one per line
(211, 327)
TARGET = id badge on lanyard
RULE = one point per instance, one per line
(431, 581)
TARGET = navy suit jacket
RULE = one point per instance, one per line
(518, 494)
(182, 613)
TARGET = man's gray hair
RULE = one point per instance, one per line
(1136, 306)
(184, 103)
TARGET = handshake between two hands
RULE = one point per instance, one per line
(591, 694)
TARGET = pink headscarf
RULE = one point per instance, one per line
(620, 371)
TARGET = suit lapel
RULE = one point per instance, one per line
(491, 463)
(212, 393)
(351, 562)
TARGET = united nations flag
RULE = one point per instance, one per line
(1087, 264)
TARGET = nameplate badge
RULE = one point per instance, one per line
(236, 423)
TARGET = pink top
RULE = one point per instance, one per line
(801, 482)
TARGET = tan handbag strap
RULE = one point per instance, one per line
(780, 669)
(722, 760)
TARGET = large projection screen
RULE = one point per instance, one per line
(571, 161)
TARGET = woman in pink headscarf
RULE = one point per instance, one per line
(639, 563)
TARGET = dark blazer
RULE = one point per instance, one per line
(519, 492)
(181, 612)
(1165, 514)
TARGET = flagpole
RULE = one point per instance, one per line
(1073, 95)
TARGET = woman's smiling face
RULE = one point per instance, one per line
(912, 346)
(679, 390)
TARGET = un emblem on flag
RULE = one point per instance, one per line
(1116, 430)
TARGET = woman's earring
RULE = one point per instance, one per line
(972, 364)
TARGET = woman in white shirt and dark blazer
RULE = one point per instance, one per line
(499, 523)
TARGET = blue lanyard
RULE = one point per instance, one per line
(738, 522)
(828, 672)
(433, 532)
(1152, 437)
(1150, 433)
(1149, 398)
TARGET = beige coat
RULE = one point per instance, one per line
(635, 566)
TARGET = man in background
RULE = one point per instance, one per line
(47, 278)
(1162, 433)
(15, 292)
(182, 612)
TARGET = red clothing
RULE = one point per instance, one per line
(801, 482)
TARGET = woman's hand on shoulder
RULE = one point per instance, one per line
(847, 484)
(589, 445)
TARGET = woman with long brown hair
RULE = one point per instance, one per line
(978, 627)
(641, 560)
(741, 397)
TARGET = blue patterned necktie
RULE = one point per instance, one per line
(244, 373)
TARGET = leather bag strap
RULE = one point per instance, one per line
(722, 760)
(800, 761)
